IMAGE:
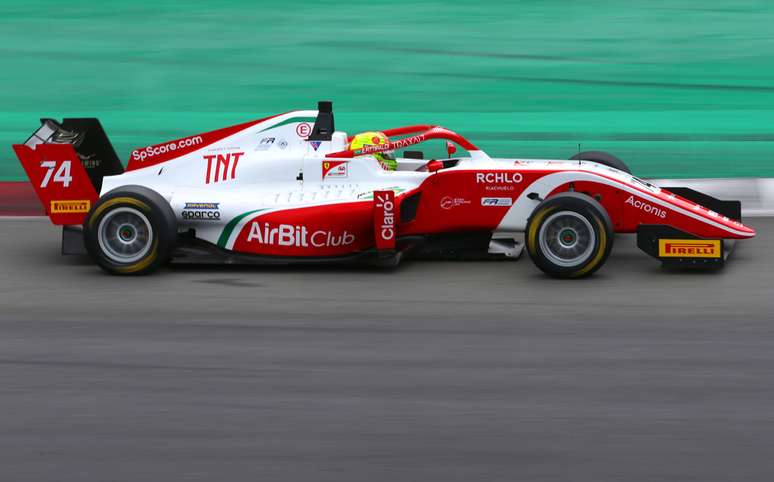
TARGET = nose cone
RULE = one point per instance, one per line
(714, 224)
(739, 230)
(749, 232)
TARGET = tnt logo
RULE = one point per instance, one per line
(222, 167)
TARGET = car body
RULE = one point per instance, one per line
(287, 189)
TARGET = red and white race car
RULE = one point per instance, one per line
(287, 189)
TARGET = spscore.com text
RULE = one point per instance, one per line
(158, 149)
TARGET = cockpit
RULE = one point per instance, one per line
(390, 150)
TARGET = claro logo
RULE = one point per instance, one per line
(298, 236)
(648, 208)
(388, 217)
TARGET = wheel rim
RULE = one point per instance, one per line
(567, 238)
(125, 235)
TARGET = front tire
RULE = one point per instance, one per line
(130, 231)
(569, 235)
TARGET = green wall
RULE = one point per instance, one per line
(675, 88)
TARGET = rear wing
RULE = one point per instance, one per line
(65, 163)
(88, 138)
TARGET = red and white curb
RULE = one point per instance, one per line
(19, 199)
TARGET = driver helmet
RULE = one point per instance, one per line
(386, 158)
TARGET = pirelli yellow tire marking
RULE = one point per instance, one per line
(602, 245)
(152, 254)
(112, 202)
(532, 241)
(143, 263)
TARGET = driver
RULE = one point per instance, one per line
(386, 158)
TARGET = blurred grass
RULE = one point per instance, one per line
(677, 89)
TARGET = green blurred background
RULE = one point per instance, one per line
(675, 88)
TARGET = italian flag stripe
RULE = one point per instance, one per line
(223, 240)
(290, 121)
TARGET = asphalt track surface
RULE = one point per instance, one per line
(437, 371)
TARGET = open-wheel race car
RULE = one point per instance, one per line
(290, 188)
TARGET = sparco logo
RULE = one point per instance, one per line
(388, 219)
(202, 215)
(201, 211)
(648, 208)
(299, 236)
(151, 151)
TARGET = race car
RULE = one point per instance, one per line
(291, 189)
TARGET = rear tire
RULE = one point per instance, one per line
(569, 235)
(604, 158)
(130, 231)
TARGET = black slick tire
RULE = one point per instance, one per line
(569, 235)
(131, 230)
(604, 158)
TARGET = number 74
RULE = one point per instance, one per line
(62, 174)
